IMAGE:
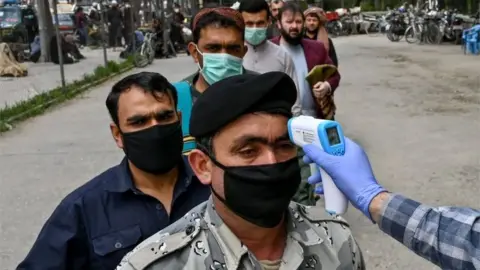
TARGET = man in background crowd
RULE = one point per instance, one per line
(275, 6)
(81, 25)
(114, 19)
(262, 55)
(218, 47)
(129, 24)
(306, 54)
(315, 20)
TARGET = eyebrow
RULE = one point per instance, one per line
(138, 117)
(230, 46)
(247, 139)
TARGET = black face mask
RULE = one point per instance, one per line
(260, 194)
(155, 150)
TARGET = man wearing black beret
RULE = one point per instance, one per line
(244, 154)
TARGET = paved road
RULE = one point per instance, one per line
(46, 76)
(414, 108)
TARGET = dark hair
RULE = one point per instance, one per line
(254, 6)
(151, 82)
(276, 1)
(213, 18)
(206, 145)
(290, 7)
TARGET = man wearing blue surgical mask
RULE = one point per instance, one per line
(218, 48)
(263, 55)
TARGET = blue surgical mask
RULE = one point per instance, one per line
(255, 36)
(218, 66)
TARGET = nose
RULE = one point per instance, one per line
(269, 157)
(223, 50)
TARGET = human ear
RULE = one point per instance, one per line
(179, 115)
(245, 50)
(117, 135)
(201, 166)
(192, 49)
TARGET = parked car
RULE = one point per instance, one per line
(18, 24)
(66, 24)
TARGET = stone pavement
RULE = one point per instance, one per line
(414, 108)
(46, 76)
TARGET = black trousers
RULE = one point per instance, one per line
(114, 36)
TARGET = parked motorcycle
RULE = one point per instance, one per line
(334, 25)
(397, 24)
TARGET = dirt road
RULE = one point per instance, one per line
(416, 110)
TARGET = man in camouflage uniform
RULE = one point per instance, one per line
(252, 168)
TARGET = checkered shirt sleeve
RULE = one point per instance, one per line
(447, 236)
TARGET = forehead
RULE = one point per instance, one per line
(262, 125)
(138, 101)
(312, 17)
(277, 5)
(290, 15)
(261, 15)
(216, 34)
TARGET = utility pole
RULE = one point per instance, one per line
(59, 44)
(103, 33)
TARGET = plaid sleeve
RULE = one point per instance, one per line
(446, 236)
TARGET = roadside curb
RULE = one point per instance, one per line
(8, 124)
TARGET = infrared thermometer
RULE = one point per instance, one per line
(327, 134)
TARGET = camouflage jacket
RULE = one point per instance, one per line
(202, 241)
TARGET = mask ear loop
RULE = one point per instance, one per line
(198, 62)
(218, 164)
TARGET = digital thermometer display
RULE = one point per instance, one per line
(333, 137)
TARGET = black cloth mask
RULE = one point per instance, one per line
(155, 150)
(260, 194)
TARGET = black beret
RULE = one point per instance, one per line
(230, 98)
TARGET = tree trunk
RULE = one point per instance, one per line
(136, 6)
(147, 11)
(46, 29)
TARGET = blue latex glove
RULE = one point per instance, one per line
(351, 173)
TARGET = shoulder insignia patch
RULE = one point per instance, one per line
(156, 250)
(318, 214)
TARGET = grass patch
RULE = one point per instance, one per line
(10, 115)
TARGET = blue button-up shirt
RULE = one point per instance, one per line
(447, 236)
(100, 222)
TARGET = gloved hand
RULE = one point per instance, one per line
(351, 173)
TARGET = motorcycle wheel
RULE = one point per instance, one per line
(434, 35)
(332, 29)
(337, 29)
(410, 35)
(391, 35)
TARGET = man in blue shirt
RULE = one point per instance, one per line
(100, 222)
